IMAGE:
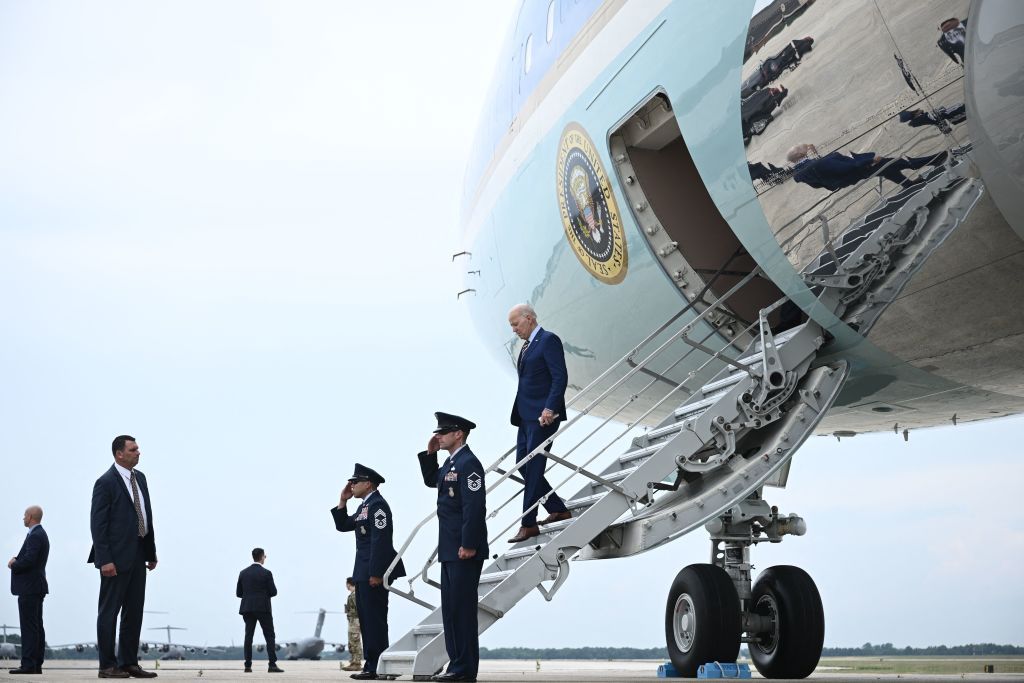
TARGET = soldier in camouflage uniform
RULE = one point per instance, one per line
(355, 647)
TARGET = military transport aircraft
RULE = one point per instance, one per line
(8, 650)
(309, 647)
(714, 326)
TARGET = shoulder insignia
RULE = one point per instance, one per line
(474, 481)
(380, 519)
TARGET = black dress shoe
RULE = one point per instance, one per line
(364, 676)
(23, 670)
(247, 670)
(274, 669)
(136, 671)
(113, 672)
(451, 678)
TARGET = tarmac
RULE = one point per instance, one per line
(518, 671)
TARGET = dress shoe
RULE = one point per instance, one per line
(556, 517)
(274, 669)
(247, 670)
(364, 676)
(446, 678)
(525, 532)
(136, 671)
(113, 672)
(23, 670)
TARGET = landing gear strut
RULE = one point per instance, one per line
(711, 606)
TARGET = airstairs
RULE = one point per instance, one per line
(746, 404)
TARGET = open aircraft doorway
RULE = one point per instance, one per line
(686, 233)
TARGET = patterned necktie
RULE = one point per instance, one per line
(138, 506)
(522, 352)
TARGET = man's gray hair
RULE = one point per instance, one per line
(525, 309)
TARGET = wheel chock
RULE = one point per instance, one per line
(719, 670)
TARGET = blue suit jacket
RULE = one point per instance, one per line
(114, 524)
(374, 529)
(28, 573)
(255, 587)
(542, 379)
(834, 171)
(461, 503)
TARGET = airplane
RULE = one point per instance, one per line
(171, 650)
(309, 647)
(712, 325)
(8, 650)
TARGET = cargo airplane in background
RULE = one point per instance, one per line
(730, 276)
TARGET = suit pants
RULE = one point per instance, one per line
(123, 594)
(460, 580)
(33, 637)
(531, 435)
(372, 606)
(266, 620)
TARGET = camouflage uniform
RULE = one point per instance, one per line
(355, 648)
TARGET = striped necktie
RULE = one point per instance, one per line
(522, 352)
(138, 506)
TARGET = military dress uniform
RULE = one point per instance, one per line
(375, 550)
(461, 512)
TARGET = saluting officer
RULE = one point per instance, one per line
(462, 539)
(375, 551)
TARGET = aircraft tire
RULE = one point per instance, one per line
(792, 648)
(702, 618)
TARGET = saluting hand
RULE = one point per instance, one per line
(346, 494)
(434, 445)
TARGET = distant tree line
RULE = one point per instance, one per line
(573, 653)
(890, 650)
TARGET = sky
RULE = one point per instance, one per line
(226, 229)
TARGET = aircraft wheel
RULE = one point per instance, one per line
(702, 618)
(792, 648)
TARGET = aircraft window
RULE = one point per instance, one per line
(528, 54)
(551, 21)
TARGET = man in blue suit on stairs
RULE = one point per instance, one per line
(28, 582)
(538, 408)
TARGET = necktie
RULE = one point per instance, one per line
(522, 352)
(138, 505)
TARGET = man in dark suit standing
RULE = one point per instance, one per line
(28, 582)
(461, 542)
(538, 408)
(255, 588)
(123, 548)
(375, 550)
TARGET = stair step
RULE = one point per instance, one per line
(522, 552)
(585, 501)
(696, 409)
(727, 381)
(428, 629)
(399, 656)
(498, 577)
(664, 431)
(614, 476)
(640, 453)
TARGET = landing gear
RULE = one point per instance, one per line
(702, 618)
(791, 646)
(711, 606)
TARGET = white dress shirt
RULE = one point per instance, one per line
(126, 475)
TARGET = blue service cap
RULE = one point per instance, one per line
(364, 473)
(446, 422)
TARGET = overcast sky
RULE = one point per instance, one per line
(226, 228)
